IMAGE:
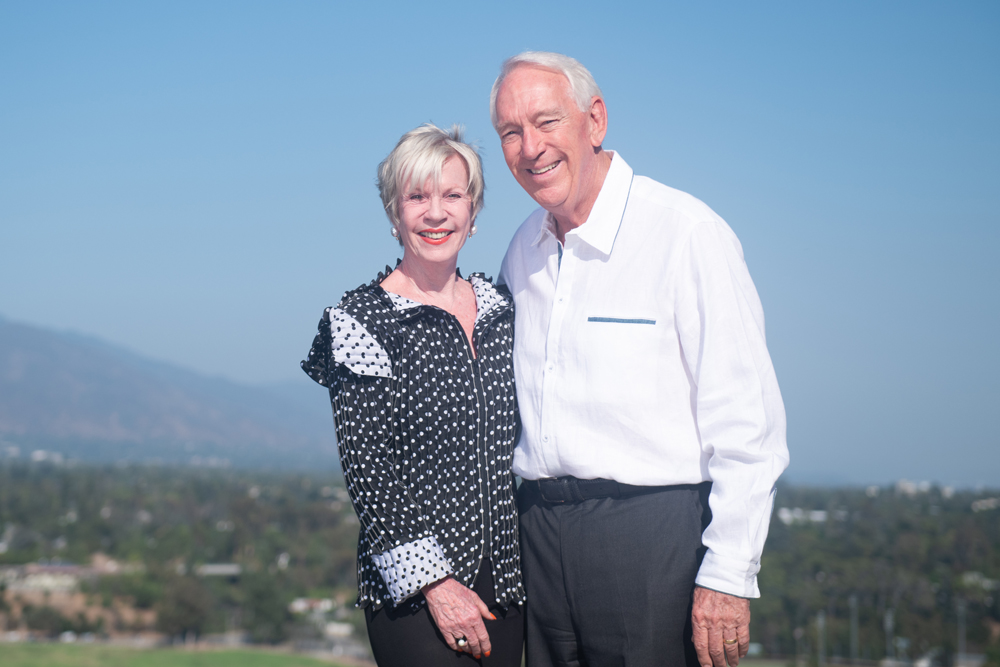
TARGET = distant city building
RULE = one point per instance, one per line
(336, 630)
(219, 570)
(798, 515)
(310, 605)
(985, 504)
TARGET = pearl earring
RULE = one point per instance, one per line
(394, 232)
(472, 231)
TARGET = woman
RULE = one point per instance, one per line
(419, 368)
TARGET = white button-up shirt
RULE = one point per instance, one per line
(639, 356)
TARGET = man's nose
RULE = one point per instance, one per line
(532, 144)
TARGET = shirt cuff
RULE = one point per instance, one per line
(728, 575)
(411, 566)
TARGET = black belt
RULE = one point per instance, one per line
(573, 490)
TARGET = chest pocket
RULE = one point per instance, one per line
(616, 348)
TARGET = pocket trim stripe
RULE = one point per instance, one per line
(620, 320)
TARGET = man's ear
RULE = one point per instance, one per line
(598, 121)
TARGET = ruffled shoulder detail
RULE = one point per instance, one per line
(354, 347)
(488, 295)
(352, 335)
(367, 288)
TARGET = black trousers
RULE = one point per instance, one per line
(401, 637)
(610, 581)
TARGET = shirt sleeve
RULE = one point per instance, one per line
(404, 551)
(740, 415)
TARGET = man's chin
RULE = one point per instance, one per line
(546, 198)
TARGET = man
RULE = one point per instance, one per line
(646, 393)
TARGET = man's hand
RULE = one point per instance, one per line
(458, 612)
(717, 620)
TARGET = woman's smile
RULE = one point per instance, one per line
(435, 236)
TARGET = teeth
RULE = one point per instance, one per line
(542, 171)
(434, 235)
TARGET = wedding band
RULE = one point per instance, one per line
(462, 641)
(730, 641)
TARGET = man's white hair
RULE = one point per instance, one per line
(581, 81)
(419, 155)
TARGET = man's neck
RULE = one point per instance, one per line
(567, 221)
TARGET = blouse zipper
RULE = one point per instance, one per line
(480, 393)
(484, 483)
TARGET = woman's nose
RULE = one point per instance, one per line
(435, 209)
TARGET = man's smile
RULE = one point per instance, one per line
(544, 170)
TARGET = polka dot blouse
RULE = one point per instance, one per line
(425, 433)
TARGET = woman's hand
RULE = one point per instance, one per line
(459, 612)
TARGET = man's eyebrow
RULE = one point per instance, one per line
(552, 111)
(558, 112)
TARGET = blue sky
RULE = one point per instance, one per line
(196, 181)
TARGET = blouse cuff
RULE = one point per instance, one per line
(411, 566)
(728, 575)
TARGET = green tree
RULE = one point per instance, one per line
(46, 620)
(265, 613)
(185, 609)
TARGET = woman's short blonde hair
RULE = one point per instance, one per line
(419, 155)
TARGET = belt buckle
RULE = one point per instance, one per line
(545, 497)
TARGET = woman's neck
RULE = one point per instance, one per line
(432, 284)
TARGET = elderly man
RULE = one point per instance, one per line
(653, 428)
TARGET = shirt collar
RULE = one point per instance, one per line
(488, 299)
(601, 227)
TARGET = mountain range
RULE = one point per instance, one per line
(72, 396)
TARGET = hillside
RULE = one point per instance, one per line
(87, 399)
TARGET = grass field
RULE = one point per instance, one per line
(63, 655)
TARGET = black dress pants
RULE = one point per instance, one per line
(402, 637)
(610, 581)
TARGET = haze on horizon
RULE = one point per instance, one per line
(196, 182)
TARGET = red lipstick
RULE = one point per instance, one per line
(447, 234)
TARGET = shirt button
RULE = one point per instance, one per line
(550, 367)
(561, 299)
(545, 438)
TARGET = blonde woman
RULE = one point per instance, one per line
(419, 369)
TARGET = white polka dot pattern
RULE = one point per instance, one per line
(426, 435)
(355, 348)
(410, 567)
(487, 296)
(401, 302)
